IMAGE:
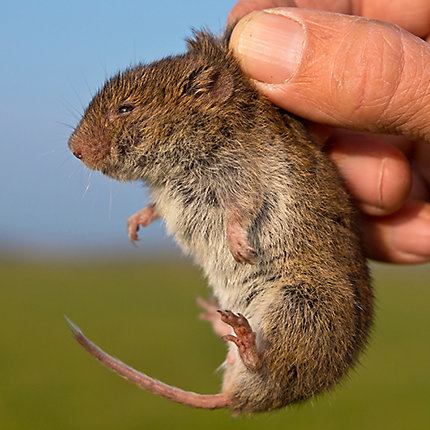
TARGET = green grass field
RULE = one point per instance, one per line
(144, 313)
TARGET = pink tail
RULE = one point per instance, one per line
(212, 401)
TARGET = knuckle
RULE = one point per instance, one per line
(386, 78)
(373, 69)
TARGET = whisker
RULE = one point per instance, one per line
(66, 160)
(65, 124)
(91, 92)
(79, 99)
(88, 186)
(75, 113)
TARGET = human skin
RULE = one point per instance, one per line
(364, 87)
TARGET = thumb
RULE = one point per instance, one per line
(341, 70)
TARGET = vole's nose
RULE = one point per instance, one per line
(75, 147)
(77, 153)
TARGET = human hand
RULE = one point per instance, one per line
(370, 77)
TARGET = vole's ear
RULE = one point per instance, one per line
(210, 86)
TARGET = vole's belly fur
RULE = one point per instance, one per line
(310, 307)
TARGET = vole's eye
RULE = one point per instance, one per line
(123, 109)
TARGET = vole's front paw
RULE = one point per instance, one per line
(142, 218)
(244, 339)
(243, 252)
(240, 248)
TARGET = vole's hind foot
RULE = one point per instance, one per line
(142, 218)
(244, 339)
(211, 315)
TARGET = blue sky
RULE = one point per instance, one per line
(54, 55)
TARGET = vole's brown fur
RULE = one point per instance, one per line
(235, 176)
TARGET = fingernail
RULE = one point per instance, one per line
(269, 46)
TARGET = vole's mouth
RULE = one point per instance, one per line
(117, 174)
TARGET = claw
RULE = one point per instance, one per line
(142, 218)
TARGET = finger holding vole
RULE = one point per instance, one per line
(342, 79)
(280, 49)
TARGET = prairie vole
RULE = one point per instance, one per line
(258, 205)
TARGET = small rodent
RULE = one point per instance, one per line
(258, 205)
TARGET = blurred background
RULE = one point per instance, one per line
(64, 251)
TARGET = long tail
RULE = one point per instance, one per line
(211, 401)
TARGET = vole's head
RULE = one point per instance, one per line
(147, 114)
